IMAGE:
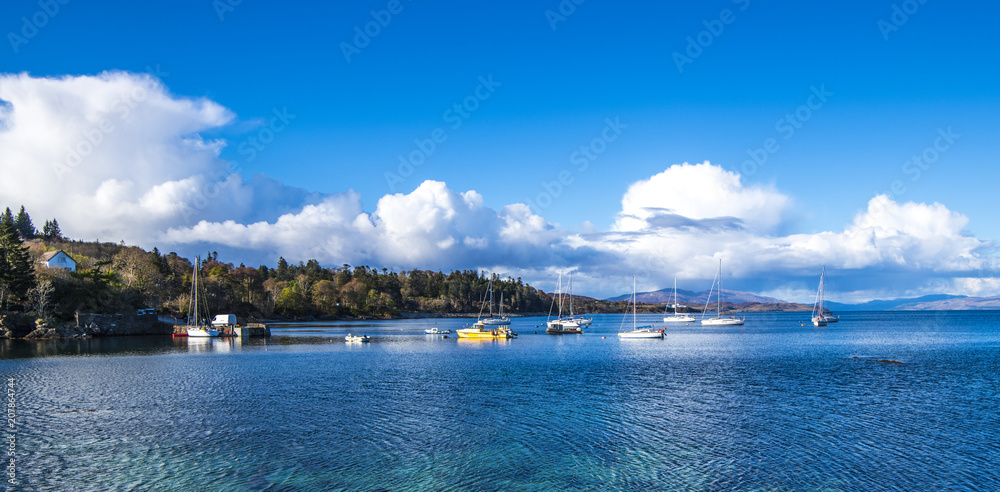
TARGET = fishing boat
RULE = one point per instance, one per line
(818, 317)
(677, 317)
(352, 338)
(561, 325)
(718, 320)
(200, 328)
(436, 331)
(639, 331)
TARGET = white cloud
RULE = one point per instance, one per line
(699, 195)
(116, 156)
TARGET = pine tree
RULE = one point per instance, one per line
(23, 225)
(55, 233)
(17, 275)
(7, 219)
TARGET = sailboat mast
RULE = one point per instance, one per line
(633, 302)
(194, 285)
(570, 294)
(718, 310)
(560, 295)
(675, 295)
(822, 278)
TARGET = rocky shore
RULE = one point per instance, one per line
(25, 326)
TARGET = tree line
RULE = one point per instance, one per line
(115, 278)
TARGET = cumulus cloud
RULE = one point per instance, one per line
(432, 227)
(700, 196)
(116, 156)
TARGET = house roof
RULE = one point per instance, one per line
(48, 256)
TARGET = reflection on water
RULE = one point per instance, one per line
(771, 406)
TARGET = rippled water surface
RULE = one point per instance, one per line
(879, 401)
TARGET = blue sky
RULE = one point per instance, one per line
(892, 83)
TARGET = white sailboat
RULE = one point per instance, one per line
(677, 318)
(561, 325)
(579, 320)
(819, 318)
(499, 320)
(199, 329)
(719, 320)
(639, 331)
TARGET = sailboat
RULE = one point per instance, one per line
(639, 331)
(718, 320)
(497, 327)
(677, 318)
(560, 325)
(582, 321)
(493, 320)
(199, 328)
(819, 318)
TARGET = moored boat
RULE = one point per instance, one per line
(199, 329)
(479, 330)
(719, 319)
(436, 331)
(639, 331)
(351, 338)
(677, 317)
(818, 317)
(561, 325)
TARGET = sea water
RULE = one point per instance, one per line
(879, 401)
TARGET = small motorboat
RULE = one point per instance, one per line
(436, 331)
(357, 338)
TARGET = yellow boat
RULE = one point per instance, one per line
(479, 330)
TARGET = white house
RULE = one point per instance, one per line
(58, 259)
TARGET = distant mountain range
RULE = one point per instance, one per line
(937, 302)
(666, 296)
(908, 303)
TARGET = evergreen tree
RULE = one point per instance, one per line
(23, 225)
(7, 219)
(282, 268)
(17, 275)
(51, 230)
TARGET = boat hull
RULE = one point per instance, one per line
(722, 322)
(474, 333)
(679, 319)
(202, 333)
(819, 322)
(563, 327)
(641, 334)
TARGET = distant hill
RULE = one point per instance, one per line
(955, 303)
(666, 296)
(897, 304)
